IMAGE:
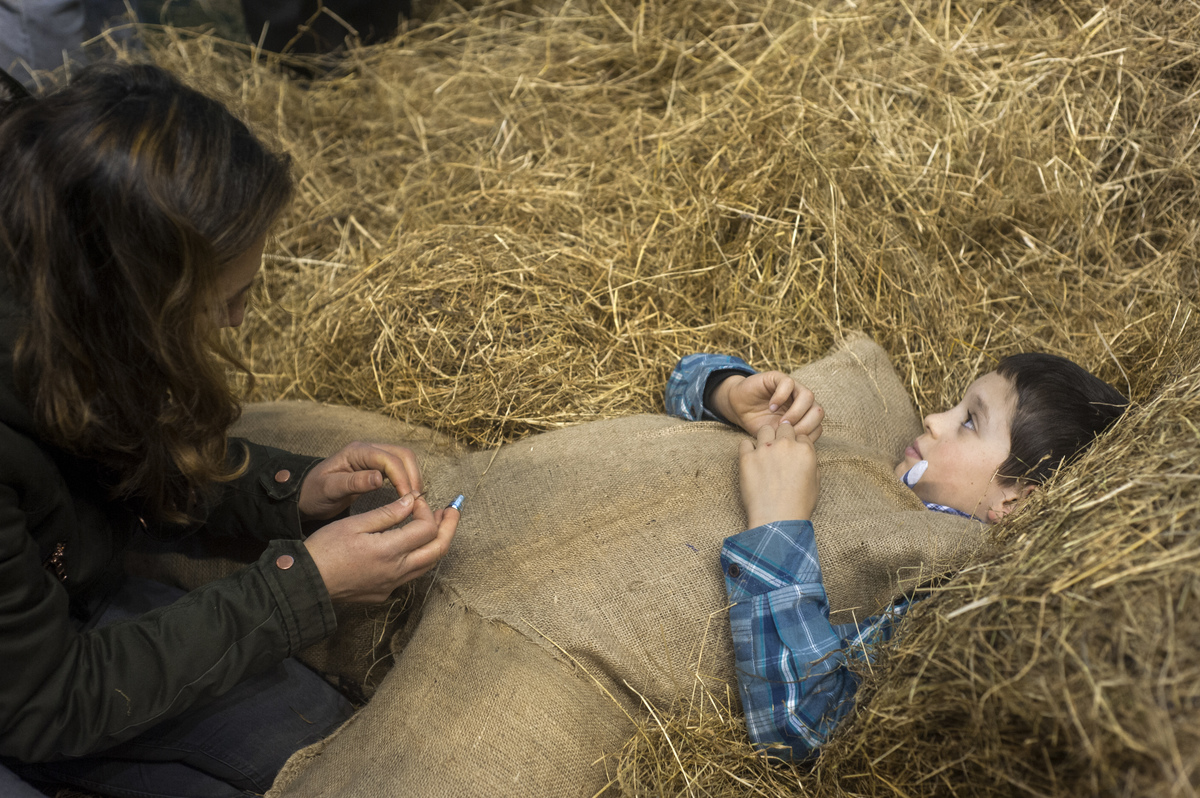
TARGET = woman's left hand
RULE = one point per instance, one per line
(334, 483)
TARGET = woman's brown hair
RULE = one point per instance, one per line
(123, 196)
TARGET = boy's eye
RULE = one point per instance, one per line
(970, 422)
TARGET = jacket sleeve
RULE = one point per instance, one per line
(263, 501)
(69, 693)
(792, 665)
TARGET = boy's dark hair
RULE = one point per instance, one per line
(1061, 408)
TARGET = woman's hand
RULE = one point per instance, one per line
(334, 483)
(768, 399)
(779, 477)
(365, 557)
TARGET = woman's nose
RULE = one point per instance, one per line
(235, 314)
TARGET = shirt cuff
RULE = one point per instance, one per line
(688, 383)
(769, 557)
(711, 384)
(281, 478)
(265, 501)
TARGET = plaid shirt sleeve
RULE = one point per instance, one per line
(689, 380)
(791, 661)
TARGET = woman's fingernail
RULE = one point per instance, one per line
(773, 408)
(785, 421)
(457, 503)
(406, 499)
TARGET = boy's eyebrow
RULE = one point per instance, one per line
(981, 408)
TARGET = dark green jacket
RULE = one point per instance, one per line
(66, 692)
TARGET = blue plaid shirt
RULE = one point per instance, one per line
(792, 663)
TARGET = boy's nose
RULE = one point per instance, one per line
(932, 423)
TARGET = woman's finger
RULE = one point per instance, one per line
(382, 518)
(397, 463)
(408, 465)
(422, 511)
(785, 432)
(454, 507)
(425, 556)
(354, 483)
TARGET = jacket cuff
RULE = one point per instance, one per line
(303, 600)
(280, 479)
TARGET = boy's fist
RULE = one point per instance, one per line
(768, 399)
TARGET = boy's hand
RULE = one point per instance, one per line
(779, 477)
(769, 399)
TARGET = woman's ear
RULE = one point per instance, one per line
(1013, 496)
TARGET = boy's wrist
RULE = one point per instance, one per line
(755, 520)
(720, 397)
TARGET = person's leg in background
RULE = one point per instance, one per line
(43, 35)
(39, 35)
(114, 18)
(296, 26)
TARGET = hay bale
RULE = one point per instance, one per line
(511, 222)
(516, 218)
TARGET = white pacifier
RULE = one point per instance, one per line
(913, 475)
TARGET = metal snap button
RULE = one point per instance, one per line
(283, 476)
(285, 562)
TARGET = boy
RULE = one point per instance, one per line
(1013, 428)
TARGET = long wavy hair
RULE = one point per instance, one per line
(123, 197)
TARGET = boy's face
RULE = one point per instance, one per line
(965, 446)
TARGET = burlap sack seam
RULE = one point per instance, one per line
(847, 345)
(550, 646)
(685, 427)
(303, 758)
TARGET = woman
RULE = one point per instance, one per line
(133, 213)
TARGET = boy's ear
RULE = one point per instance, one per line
(1013, 496)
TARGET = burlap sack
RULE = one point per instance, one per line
(585, 577)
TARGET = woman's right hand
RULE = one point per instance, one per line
(365, 557)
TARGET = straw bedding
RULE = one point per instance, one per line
(517, 217)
